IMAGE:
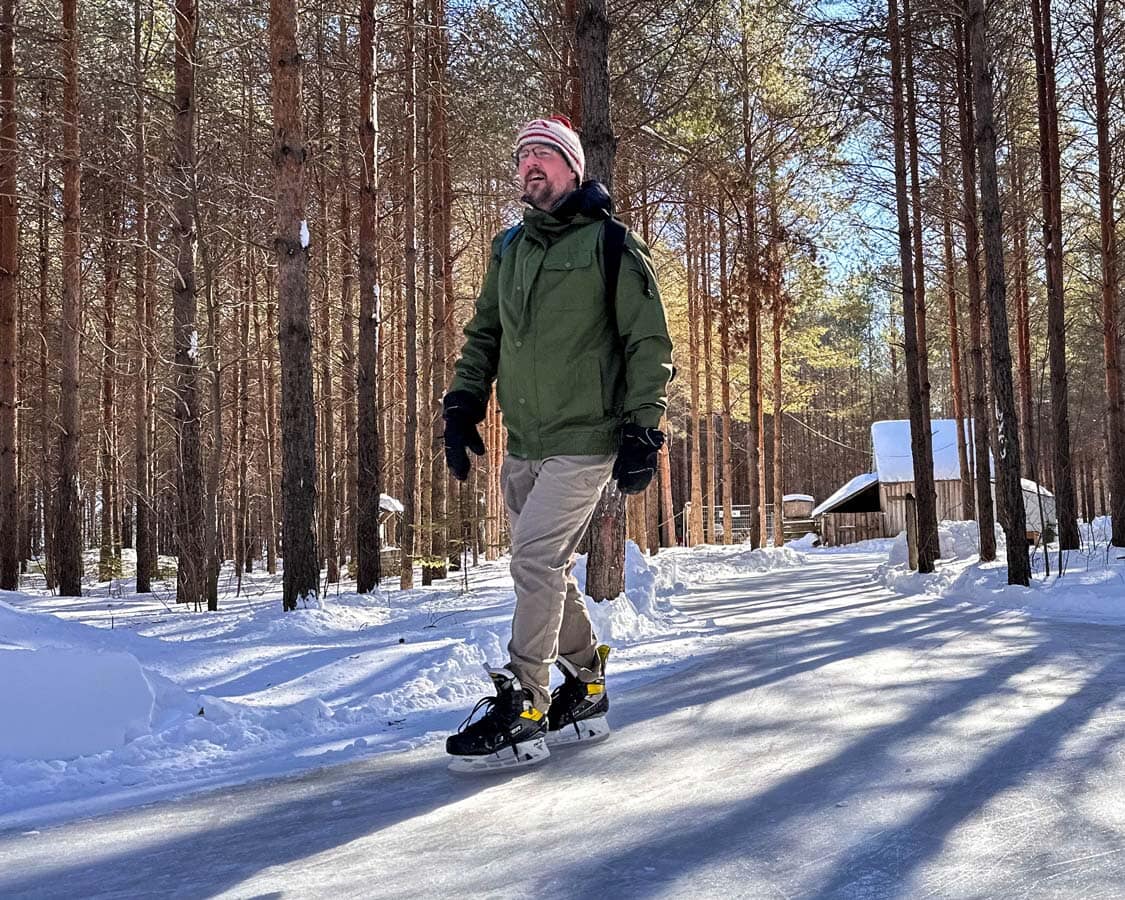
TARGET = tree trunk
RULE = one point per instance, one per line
(329, 509)
(145, 539)
(441, 307)
(109, 562)
(1115, 415)
(1008, 459)
(407, 537)
(923, 462)
(291, 249)
(605, 578)
(9, 277)
(347, 293)
(68, 509)
(368, 465)
(1052, 240)
(46, 426)
(968, 504)
(985, 513)
(724, 378)
(268, 457)
(191, 581)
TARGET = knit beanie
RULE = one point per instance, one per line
(558, 133)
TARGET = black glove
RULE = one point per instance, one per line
(636, 460)
(462, 413)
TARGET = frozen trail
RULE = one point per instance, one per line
(834, 741)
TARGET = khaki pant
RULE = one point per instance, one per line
(550, 503)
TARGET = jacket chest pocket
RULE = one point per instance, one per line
(569, 276)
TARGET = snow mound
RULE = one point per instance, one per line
(1091, 587)
(62, 704)
(678, 567)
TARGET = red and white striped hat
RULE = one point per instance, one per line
(558, 133)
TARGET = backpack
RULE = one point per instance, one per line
(613, 247)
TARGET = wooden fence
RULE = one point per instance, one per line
(838, 529)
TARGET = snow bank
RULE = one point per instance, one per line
(1091, 587)
(62, 704)
(677, 567)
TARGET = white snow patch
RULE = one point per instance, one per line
(304, 234)
(62, 704)
(1091, 587)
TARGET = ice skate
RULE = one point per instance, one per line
(579, 705)
(511, 733)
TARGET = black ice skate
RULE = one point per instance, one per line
(579, 705)
(510, 734)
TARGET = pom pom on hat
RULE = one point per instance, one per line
(557, 132)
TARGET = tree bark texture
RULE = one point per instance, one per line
(68, 509)
(923, 462)
(1051, 193)
(291, 250)
(408, 535)
(968, 503)
(9, 275)
(986, 517)
(368, 466)
(145, 540)
(1008, 459)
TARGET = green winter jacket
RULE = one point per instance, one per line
(567, 376)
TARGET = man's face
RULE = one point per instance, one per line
(544, 175)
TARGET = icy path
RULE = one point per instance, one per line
(836, 741)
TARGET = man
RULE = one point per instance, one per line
(582, 382)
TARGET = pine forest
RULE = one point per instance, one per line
(239, 242)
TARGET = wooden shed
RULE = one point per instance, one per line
(874, 504)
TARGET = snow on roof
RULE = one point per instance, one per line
(806, 497)
(1032, 488)
(849, 490)
(390, 504)
(893, 460)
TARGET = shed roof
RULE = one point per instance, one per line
(849, 490)
(890, 441)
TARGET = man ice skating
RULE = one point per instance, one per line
(570, 326)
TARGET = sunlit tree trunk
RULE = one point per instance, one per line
(985, 514)
(968, 500)
(923, 461)
(1008, 460)
(1065, 504)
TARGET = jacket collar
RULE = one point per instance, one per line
(588, 203)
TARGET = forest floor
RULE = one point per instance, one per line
(802, 730)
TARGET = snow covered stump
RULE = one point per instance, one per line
(62, 704)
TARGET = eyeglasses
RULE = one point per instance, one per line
(539, 151)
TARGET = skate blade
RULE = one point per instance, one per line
(589, 731)
(529, 753)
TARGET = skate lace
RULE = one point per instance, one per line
(488, 704)
(571, 692)
(485, 722)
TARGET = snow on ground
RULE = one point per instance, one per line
(122, 698)
(118, 698)
(1091, 587)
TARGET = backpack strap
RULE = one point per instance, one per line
(509, 236)
(613, 247)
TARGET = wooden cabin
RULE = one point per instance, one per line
(873, 505)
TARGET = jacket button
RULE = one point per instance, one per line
(570, 265)
(522, 400)
(519, 343)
